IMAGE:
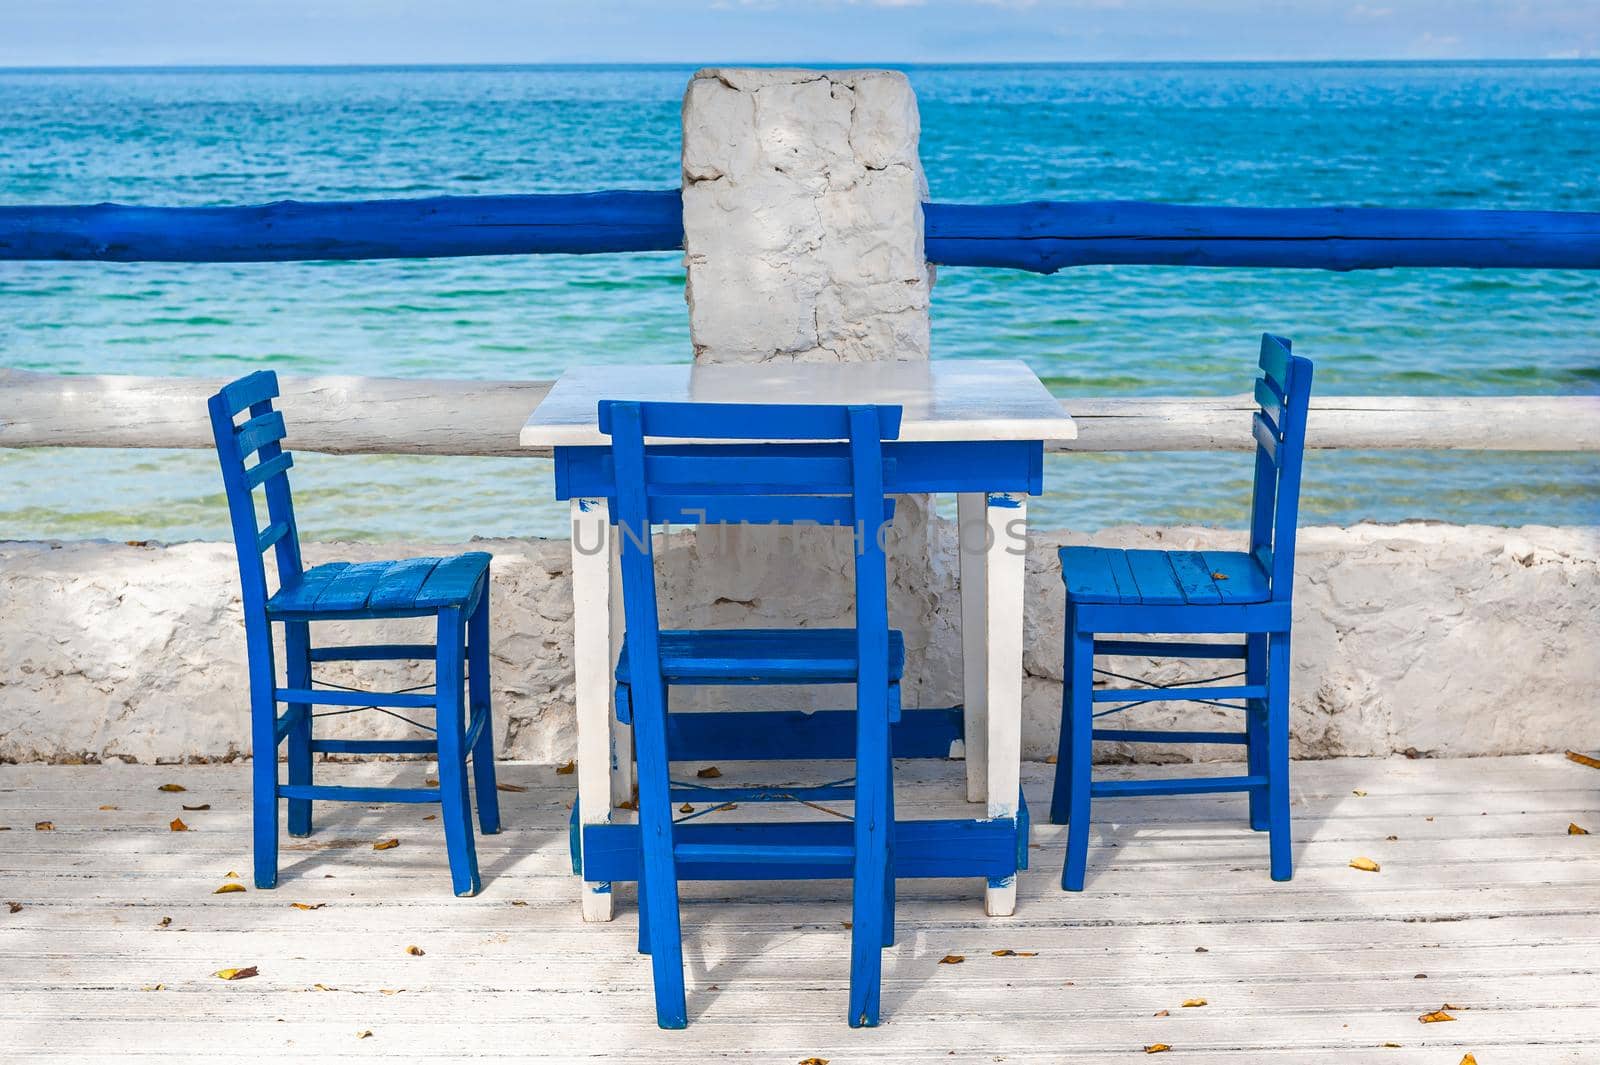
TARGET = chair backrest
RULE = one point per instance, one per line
(770, 464)
(1283, 392)
(248, 435)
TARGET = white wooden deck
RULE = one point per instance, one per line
(1481, 889)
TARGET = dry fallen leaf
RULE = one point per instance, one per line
(44, 826)
(172, 787)
(567, 770)
(198, 806)
(1583, 759)
(153, 987)
(1391, 1044)
(1219, 576)
(1435, 1017)
(1575, 829)
(1008, 953)
(431, 817)
(14, 907)
(386, 845)
(686, 808)
(1391, 839)
(503, 786)
(710, 772)
(1366, 865)
(415, 951)
(628, 804)
(390, 990)
(236, 974)
(177, 825)
(1162, 1013)
(165, 922)
(365, 1033)
(324, 987)
(952, 959)
(108, 806)
(813, 1061)
(1468, 1059)
(1194, 1002)
(429, 782)
(519, 902)
(1450, 1006)
(1156, 1048)
(1051, 759)
(1358, 792)
(230, 875)
(307, 905)
(226, 889)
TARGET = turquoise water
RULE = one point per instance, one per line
(1425, 135)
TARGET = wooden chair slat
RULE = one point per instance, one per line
(259, 431)
(271, 535)
(763, 656)
(751, 421)
(398, 585)
(247, 391)
(1266, 440)
(453, 581)
(1153, 575)
(1194, 577)
(1274, 362)
(757, 510)
(264, 471)
(1270, 398)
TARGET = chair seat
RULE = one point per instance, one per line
(1162, 578)
(763, 656)
(409, 586)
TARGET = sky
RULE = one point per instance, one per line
(206, 32)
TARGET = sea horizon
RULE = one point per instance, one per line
(1484, 134)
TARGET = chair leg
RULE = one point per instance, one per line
(1061, 793)
(478, 703)
(1277, 758)
(888, 880)
(870, 888)
(1255, 725)
(658, 875)
(297, 666)
(456, 812)
(1080, 752)
(644, 916)
(264, 755)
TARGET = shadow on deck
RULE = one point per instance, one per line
(1484, 901)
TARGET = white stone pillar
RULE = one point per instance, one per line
(802, 216)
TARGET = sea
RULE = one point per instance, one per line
(1519, 135)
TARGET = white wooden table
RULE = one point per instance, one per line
(972, 427)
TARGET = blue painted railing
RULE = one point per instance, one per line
(1041, 237)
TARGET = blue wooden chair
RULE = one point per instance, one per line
(455, 591)
(1209, 592)
(811, 477)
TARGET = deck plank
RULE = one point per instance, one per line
(1481, 889)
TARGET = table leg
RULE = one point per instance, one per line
(1005, 572)
(973, 528)
(622, 786)
(592, 666)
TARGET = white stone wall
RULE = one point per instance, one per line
(1440, 639)
(802, 216)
